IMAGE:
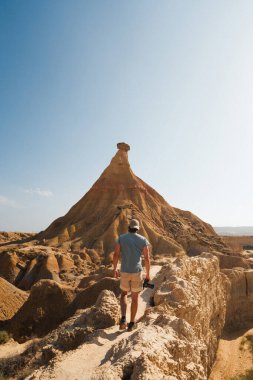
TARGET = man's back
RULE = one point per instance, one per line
(131, 247)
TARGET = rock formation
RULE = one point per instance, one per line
(68, 336)
(87, 297)
(233, 260)
(104, 313)
(239, 311)
(176, 339)
(72, 301)
(24, 265)
(116, 197)
(50, 303)
(11, 299)
(15, 237)
(239, 243)
(179, 336)
(45, 308)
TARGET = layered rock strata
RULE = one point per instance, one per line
(24, 265)
(50, 303)
(119, 195)
(45, 308)
(11, 299)
(239, 312)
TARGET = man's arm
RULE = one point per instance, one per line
(147, 262)
(115, 260)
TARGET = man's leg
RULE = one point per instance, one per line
(134, 305)
(123, 303)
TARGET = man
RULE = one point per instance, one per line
(131, 246)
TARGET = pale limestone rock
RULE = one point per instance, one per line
(105, 313)
(239, 311)
(179, 336)
(164, 348)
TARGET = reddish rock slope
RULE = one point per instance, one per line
(11, 299)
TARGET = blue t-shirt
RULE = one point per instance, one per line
(131, 247)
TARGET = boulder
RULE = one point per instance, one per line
(45, 309)
(105, 313)
(87, 297)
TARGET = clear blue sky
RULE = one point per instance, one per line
(174, 79)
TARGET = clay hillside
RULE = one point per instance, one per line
(116, 197)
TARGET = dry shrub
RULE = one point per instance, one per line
(247, 376)
(4, 337)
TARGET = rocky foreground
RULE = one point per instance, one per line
(61, 306)
(177, 337)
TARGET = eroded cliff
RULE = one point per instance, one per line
(119, 195)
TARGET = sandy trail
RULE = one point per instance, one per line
(81, 363)
(231, 359)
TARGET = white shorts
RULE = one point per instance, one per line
(131, 282)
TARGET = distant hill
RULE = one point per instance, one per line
(235, 231)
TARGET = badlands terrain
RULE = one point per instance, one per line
(59, 305)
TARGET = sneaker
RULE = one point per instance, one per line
(131, 326)
(122, 324)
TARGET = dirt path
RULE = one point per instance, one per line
(81, 363)
(233, 358)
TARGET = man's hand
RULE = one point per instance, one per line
(116, 273)
(147, 278)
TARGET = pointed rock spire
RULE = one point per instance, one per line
(123, 146)
(118, 195)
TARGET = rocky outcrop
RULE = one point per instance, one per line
(96, 276)
(9, 266)
(178, 338)
(233, 261)
(45, 309)
(87, 297)
(11, 299)
(69, 335)
(15, 237)
(239, 311)
(198, 292)
(24, 265)
(239, 243)
(119, 195)
(167, 348)
(105, 313)
(50, 303)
